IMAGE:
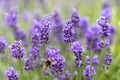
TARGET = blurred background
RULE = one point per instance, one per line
(86, 8)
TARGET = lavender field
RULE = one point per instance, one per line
(59, 40)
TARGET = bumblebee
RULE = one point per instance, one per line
(47, 63)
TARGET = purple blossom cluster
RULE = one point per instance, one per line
(17, 51)
(57, 26)
(3, 44)
(107, 11)
(58, 61)
(93, 39)
(11, 20)
(95, 60)
(84, 24)
(34, 53)
(108, 59)
(107, 31)
(78, 52)
(26, 16)
(75, 17)
(88, 72)
(69, 33)
(12, 74)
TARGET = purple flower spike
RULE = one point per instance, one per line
(88, 61)
(11, 74)
(63, 77)
(107, 13)
(21, 35)
(26, 16)
(34, 53)
(95, 60)
(76, 48)
(89, 72)
(45, 30)
(75, 17)
(106, 3)
(84, 24)
(78, 63)
(11, 19)
(28, 65)
(78, 52)
(58, 61)
(52, 52)
(17, 51)
(69, 33)
(108, 59)
(55, 79)
(57, 26)
(68, 74)
(3, 44)
(93, 39)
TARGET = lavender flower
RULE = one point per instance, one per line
(107, 13)
(106, 4)
(76, 48)
(75, 73)
(88, 61)
(107, 31)
(55, 79)
(11, 74)
(37, 15)
(17, 51)
(58, 61)
(11, 19)
(95, 60)
(63, 77)
(52, 52)
(58, 64)
(88, 72)
(75, 18)
(108, 59)
(35, 33)
(42, 29)
(26, 16)
(21, 35)
(68, 74)
(57, 26)
(78, 63)
(69, 33)
(28, 65)
(46, 72)
(3, 44)
(103, 22)
(34, 53)
(78, 51)
(93, 39)
(84, 24)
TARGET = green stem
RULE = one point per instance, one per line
(44, 49)
(79, 77)
(90, 64)
(81, 74)
(21, 69)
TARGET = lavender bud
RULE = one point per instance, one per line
(69, 33)
(95, 60)
(3, 44)
(88, 61)
(63, 77)
(17, 51)
(108, 59)
(11, 74)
